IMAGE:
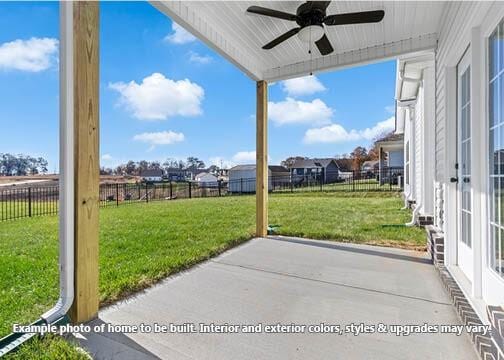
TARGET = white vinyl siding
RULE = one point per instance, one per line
(456, 17)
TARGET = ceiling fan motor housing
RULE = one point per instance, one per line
(310, 14)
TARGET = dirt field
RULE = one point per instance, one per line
(38, 180)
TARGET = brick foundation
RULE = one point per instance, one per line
(487, 346)
(496, 317)
(425, 220)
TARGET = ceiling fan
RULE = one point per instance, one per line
(311, 18)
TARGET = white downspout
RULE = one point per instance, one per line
(412, 154)
(66, 167)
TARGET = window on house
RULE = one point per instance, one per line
(407, 164)
(496, 147)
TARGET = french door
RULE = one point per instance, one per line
(464, 242)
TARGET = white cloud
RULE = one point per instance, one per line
(390, 109)
(33, 55)
(221, 162)
(106, 157)
(179, 35)
(194, 57)
(243, 157)
(159, 138)
(291, 111)
(306, 85)
(158, 98)
(380, 128)
(335, 133)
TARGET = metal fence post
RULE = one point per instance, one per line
(190, 190)
(241, 185)
(353, 180)
(321, 180)
(219, 186)
(29, 202)
(390, 179)
(117, 194)
(171, 190)
(146, 192)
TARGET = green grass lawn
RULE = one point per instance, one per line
(143, 243)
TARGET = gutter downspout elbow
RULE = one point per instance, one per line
(66, 218)
(414, 216)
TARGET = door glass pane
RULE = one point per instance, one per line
(494, 260)
(499, 98)
(493, 54)
(492, 107)
(496, 147)
(501, 47)
(499, 203)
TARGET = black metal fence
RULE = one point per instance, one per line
(20, 202)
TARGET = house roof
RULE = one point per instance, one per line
(370, 163)
(176, 170)
(278, 168)
(226, 27)
(151, 173)
(202, 174)
(243, 167)
(394, 137)
(272, 168)
(312, 163)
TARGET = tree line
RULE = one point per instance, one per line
(135, 168)
(21, 165)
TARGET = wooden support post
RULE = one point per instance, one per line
(262, 159)
(86, 147)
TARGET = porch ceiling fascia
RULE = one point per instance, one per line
(417, 46)
(205, 22)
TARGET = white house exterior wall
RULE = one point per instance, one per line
(465, 28)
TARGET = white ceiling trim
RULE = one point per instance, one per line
(352, 58)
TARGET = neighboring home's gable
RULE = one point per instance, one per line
(205, 177)
(242, 177)
(327, 169)
(370, 165)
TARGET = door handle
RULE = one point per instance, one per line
(454, 180)
(466, 180)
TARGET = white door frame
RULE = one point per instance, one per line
(492, 285)
(464, 250)
(486, 286)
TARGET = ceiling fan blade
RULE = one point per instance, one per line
(355, 18)
(272, 13)
(281, 38)
(324, 45)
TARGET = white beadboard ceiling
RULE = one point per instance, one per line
(408, 27)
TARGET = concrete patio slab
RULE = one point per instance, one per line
(291, 281)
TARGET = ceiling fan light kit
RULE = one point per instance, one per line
(311, 33)
(311, 18)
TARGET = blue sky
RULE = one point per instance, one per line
(164, 94)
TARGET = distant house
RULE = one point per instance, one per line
(176, 174)
(371, 166)
(391, 157)
(206, 179)
(152, 175)
(326, 170)
(242, 177)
